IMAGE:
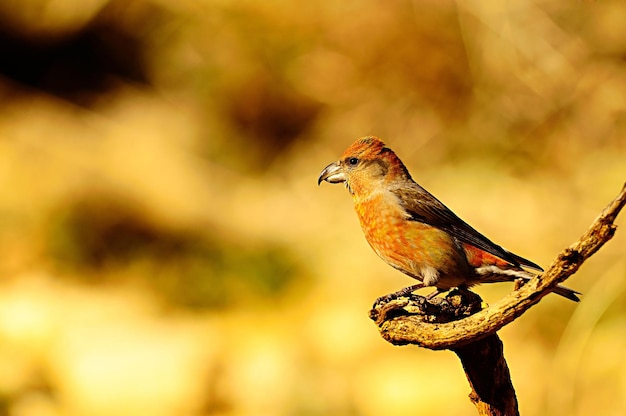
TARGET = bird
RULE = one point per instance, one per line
(414, 232)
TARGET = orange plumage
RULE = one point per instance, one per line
(413, 231)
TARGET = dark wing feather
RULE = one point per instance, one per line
(424, 207)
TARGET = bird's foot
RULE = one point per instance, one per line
(432, 295)
(395, 295)
(432, 309)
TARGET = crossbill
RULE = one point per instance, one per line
(414, 232)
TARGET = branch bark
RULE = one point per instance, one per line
(489, 377)
(461, 323)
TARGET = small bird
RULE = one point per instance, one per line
(414, 232)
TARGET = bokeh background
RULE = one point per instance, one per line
(166, 249)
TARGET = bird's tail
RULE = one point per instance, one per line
(494, 274)
(566, 292)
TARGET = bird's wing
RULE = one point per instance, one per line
(422, 206)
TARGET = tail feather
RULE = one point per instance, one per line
(566, 292)
(494, 274)
(525, 262)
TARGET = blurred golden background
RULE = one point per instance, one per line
(165, 247)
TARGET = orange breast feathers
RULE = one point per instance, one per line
(407, 245)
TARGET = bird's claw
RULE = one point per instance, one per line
(395, 295)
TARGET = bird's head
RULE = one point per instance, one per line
(364, 166)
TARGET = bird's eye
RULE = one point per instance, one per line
(353, 161)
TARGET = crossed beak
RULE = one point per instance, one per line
(332, 173)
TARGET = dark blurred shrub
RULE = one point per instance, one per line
(99, 240)
(79, 64)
